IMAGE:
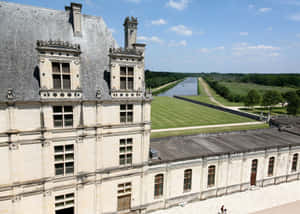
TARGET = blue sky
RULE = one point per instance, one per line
(228, 36)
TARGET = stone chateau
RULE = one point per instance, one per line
(75, 126)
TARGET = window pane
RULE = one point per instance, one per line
(123, 107)
(59, 169)
(122, 83)
(122, 142)
(68, 120)
(55, 67)
(122, 117)
(69, 148)
(58, 149)
(129, 149)
(69, 157)
(57, 109)
(59, 197)
(129, 117)
(130, 83)
(59, 157)
(130, 70)
(66, 68)
(122, 70)
(130, 106)
(57, 120)
(122, 149)
(66, 82)
(69, 167)
(68, 108)
(129, 158)
(56, 81)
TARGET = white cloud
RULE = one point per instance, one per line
(274, 54)
(269, 28)
(134, 1)
(206, 50)
(295, 17)
(173, 43)
(220, 48)
(154, 39)
(243, 33)
(178, 5)
(182, 30)
(264, 10)
(251, 6)
(240, 49)
(159, 22)
(112, 30)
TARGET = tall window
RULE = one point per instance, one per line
(64, 159)
(64, 204)
(126, 78)
(158, 185)
(126, 113)
(125, 151)
(124, 196)
(187, 183)
(63, 116)
(211, 176)
(295, 163)
(253, 172)
(61, 75)
(271, 166)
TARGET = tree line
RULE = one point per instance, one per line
(155, 79)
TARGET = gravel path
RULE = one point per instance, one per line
(205, 86)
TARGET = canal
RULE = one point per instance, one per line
(187, 87)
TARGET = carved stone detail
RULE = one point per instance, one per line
(98, 94)
(57, 44)
(16, 198)
(10, 94)
(13, 146)
(47, 193)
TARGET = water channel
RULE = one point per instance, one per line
(187, 87)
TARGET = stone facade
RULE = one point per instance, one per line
(73, 140)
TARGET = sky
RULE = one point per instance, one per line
(226, 36)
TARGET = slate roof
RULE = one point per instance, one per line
(20, 28)
(197, 146)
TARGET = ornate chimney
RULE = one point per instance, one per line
(75, 17)
(130, 28)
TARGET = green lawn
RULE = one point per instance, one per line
(169, 112)
(244, 88)
(208, 130)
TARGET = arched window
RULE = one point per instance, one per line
(158, 185)
(211, 176)
(187, 183)
(253, 172)
(271, 166)
(295, 162)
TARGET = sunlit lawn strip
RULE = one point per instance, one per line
(208, 130)
(169, 112)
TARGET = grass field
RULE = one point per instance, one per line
(244, 88)
(169, 112)
(208, 130)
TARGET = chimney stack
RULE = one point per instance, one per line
(130, 27)
(75, 13)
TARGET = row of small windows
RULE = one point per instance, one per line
(64, 164)
(63, 115)
(211, 176)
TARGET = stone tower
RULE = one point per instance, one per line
(130, 26)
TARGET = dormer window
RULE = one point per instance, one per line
(59, 65)
(126, 78)
(61, 75)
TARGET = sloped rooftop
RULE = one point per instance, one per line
(20, 28)
(197, 146)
